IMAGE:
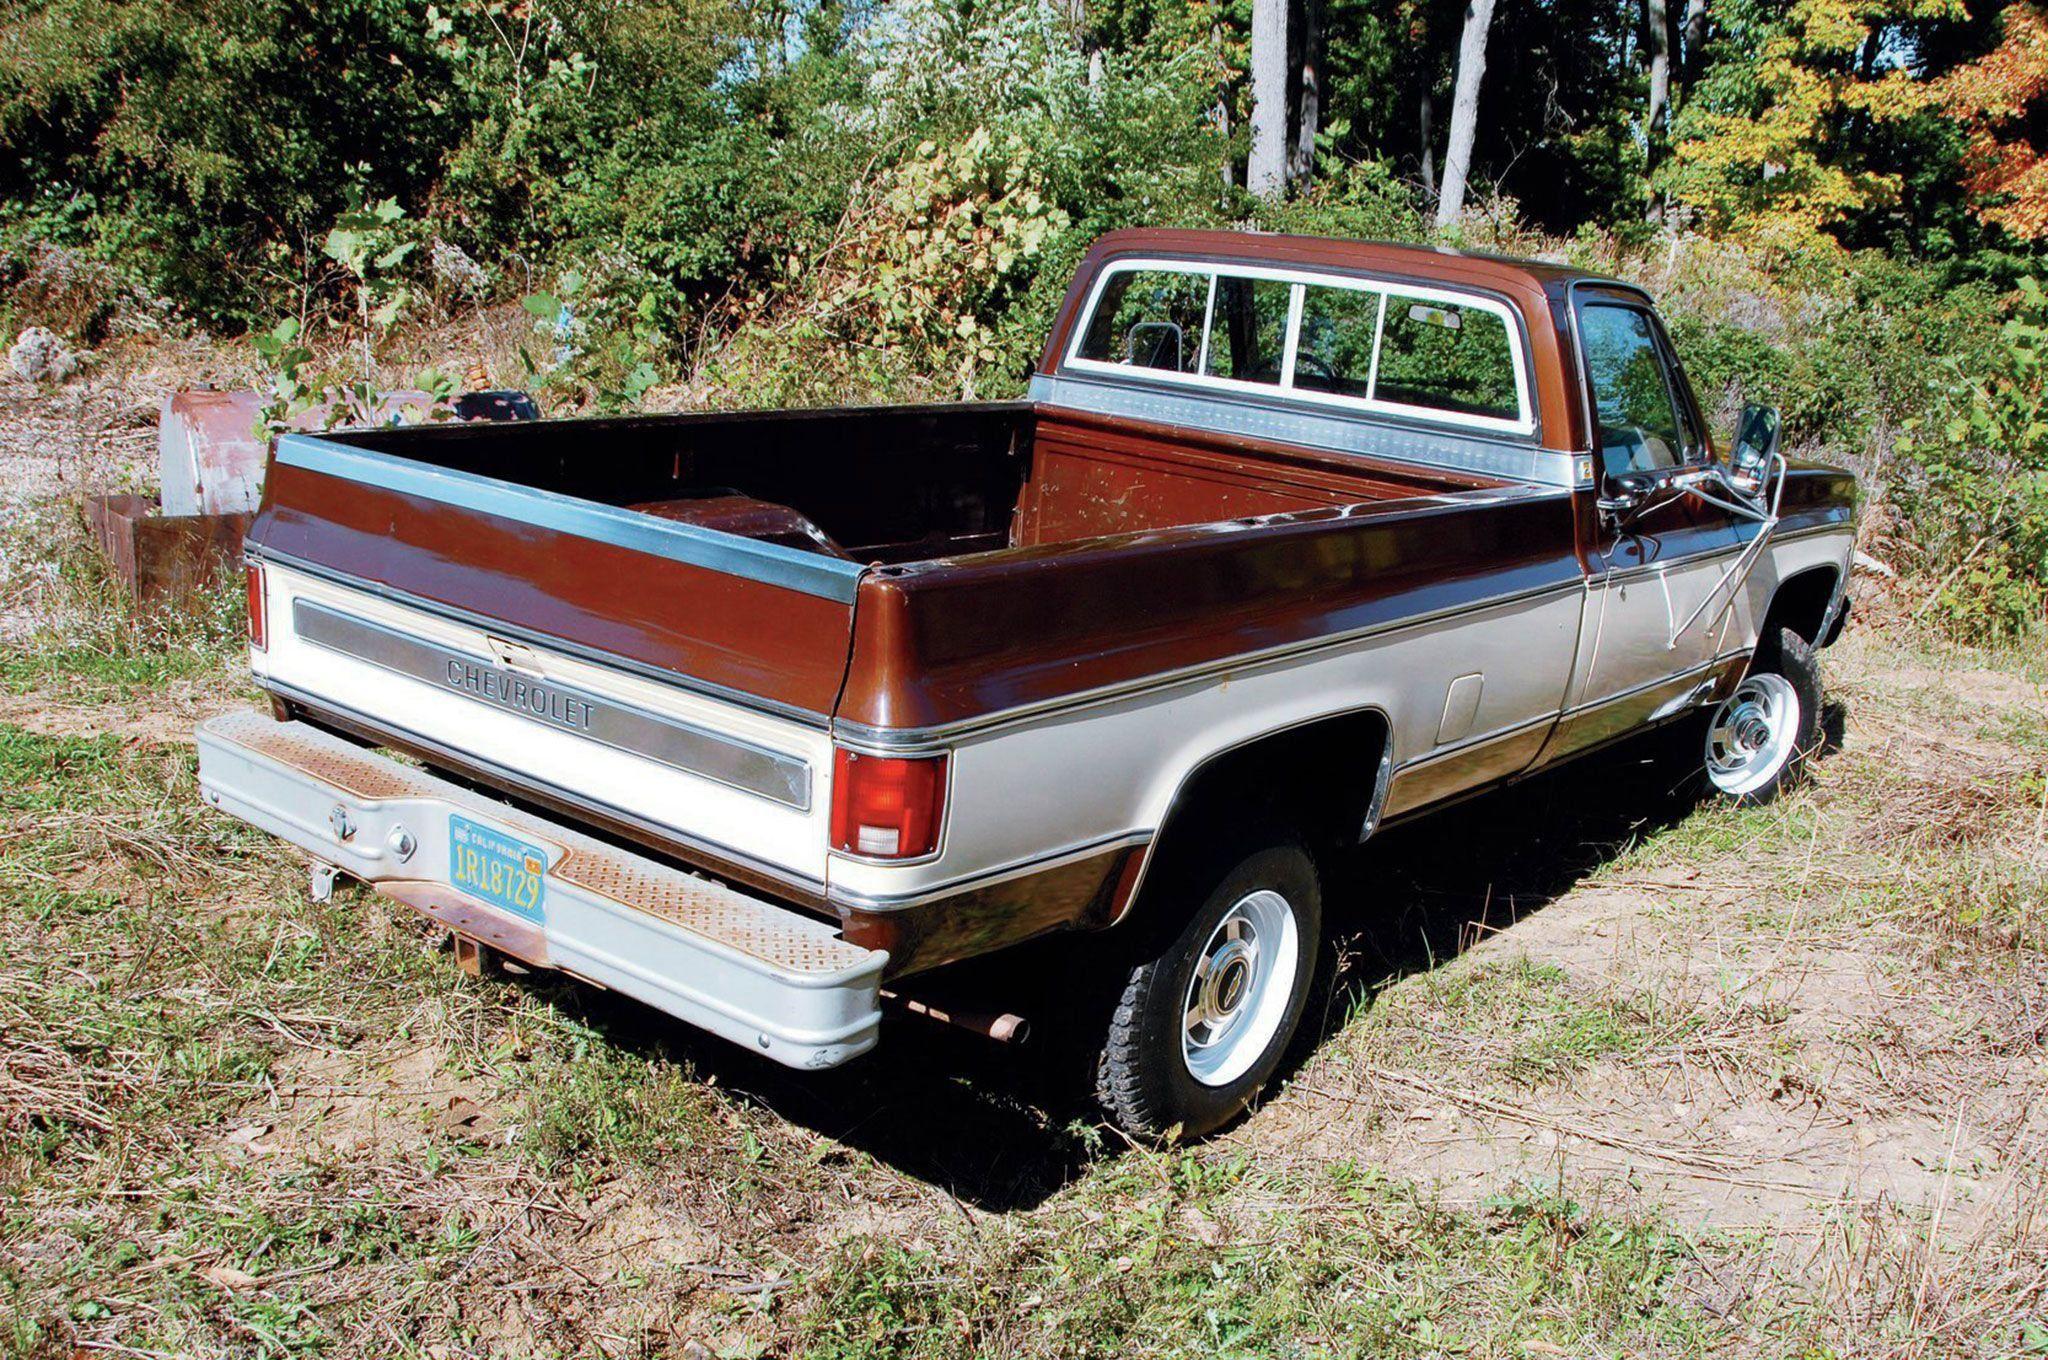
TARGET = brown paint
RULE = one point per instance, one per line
(1096, 475)
(750, 636)
(944, 642)
(1018, 555)
(982, 920)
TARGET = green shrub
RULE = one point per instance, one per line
(1972, 497)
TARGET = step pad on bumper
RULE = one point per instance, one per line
(755, 972)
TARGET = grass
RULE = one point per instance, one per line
(239, 1122)
(1229, 1263)
(1750, 1082)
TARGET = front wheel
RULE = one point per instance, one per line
(1762, 734)
(1204, 1021)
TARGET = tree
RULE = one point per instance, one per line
(1450, 199)
(1308, 92)
(1997, 99)
(1266, 171)
(1657, 28)
(1766, 142)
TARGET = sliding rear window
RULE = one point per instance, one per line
(1149, 318)
(1424, 353)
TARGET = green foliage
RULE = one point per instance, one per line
(834, 201)
(196, 145)
(603, 357)
(368, 245)
(1336, 1264)
(1976, 494)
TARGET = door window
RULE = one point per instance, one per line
(1639, 425)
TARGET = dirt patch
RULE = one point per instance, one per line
(1803, 1060)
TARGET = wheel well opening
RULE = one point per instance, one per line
(1801, 604)
(1315, 781)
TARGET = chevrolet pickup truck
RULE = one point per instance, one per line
(761, 717)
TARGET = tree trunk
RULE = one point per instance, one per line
(1450, 200)
(1657, 28)
(1266, 171)
(1309, 108)
(1425, 118)
(1694, 59)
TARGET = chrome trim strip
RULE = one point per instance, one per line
(500, 628)
(459, 759)
(903, 740)
(1002, 873)
(829, 578)
(1483, 739)
(1368, 435)
(624, 727)
(1673, 678)
(1667, 564)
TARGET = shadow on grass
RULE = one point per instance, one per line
(1002, 1128)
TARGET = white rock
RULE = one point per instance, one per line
(39, 354)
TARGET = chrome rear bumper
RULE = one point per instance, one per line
(758, 974)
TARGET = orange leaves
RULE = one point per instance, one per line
(2008, 174)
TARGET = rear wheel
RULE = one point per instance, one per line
(1760, 737)
(1206, 1017)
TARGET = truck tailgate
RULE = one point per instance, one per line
(674, 678)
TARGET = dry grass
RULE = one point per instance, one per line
(1622, 1073)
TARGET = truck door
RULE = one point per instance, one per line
(1658, 592)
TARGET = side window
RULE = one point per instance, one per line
(1639, 426)
(1248, 338)
(1151, 318)
(1334, 353)
(1447, 358)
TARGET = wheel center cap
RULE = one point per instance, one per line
(1230, 990)
(1230, 977)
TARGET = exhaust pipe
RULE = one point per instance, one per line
(1002, 1027)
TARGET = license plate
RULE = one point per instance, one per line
(497, 868)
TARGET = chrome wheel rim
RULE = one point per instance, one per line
(1244, 978)
(1754, 734)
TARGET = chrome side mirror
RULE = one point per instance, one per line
(1756, 445)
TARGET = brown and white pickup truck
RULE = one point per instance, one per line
(751, 716)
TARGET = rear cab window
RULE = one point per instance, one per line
(1421, 352)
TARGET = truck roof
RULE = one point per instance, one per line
(1381, 257)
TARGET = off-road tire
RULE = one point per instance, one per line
(1792, 657)
(1143, 1080)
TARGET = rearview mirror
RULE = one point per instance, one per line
(1756, 444)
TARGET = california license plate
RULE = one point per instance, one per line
(496, 868)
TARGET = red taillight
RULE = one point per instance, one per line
(887, 807)
(258, 637)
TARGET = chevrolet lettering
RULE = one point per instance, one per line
(517, 691)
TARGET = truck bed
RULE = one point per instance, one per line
(888, 485)
(664, 626)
